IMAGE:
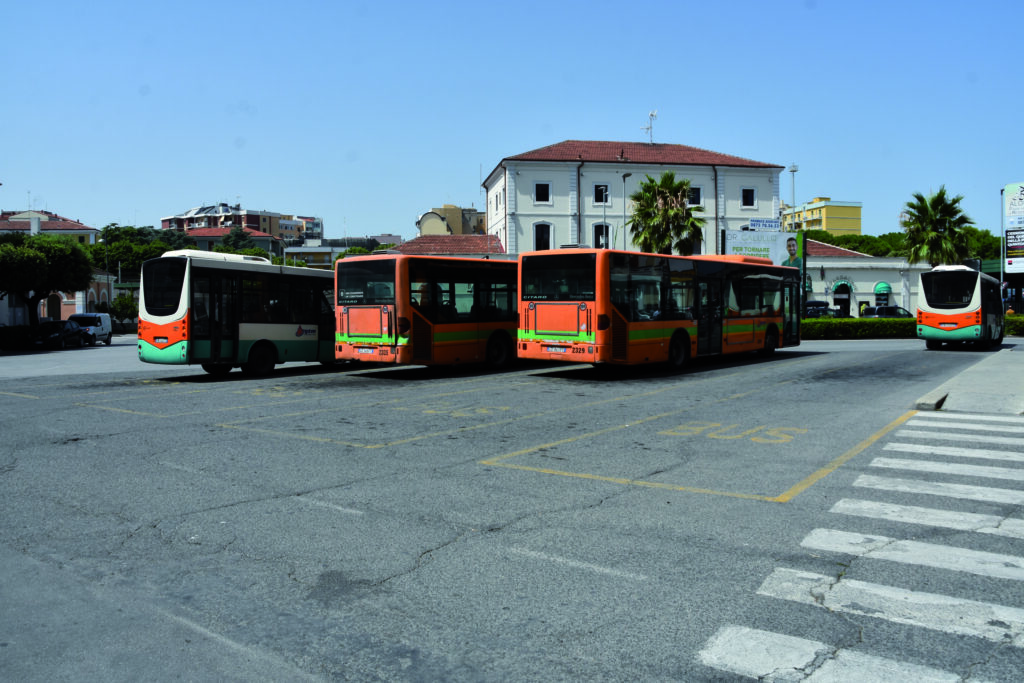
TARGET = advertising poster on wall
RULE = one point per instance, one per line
(783, 248)
(1013, 225)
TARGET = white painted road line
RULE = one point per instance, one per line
(950, 436)
(575, 564)
(983, 493)
(337, 508)
(997, 623)
(977, 426)
(771, 657)
(955, 451)
(945, 519)
(994, 565)
(944, 417)
(934, 467)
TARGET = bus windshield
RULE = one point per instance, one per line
(164, 280)
(559, 277)
(366, 282)
(949, 290)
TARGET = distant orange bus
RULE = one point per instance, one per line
(620, 307)
(425, 310)
(958, 304)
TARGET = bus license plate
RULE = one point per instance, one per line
(557, 349)
(365, 350)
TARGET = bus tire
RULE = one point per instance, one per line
(261, 360)
(678, 351)
(216, 369)
(499, 352)
(932, 344)
(771, 342)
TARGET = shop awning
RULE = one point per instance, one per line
(883, 288)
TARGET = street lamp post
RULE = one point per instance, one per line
(624, 176)
(106, 265)
(793, 169)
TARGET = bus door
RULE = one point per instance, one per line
(790, 313)
(214, 316)
(709, 316)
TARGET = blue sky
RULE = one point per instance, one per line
(370, 114)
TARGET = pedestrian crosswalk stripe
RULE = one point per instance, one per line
(955, 451)
(769, 656)
(946, 519)
(1006, 429)
(994, 565)
(983, 493)
(952, 436)
(944, 417)
(997, 623)
(932, 466)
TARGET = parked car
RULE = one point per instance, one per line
(96, 324)
(867, 312)
(816, 309)
(891, 312)
(59, 334)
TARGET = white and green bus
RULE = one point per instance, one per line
(223, 311)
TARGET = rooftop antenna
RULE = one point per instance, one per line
(650, 125)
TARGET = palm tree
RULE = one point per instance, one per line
(663, 220)
(935, 229)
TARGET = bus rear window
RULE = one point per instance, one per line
(949, 290)
(559, 277)
(366, 282)
(164, 279)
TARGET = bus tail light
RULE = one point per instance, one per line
(403, 326)
(603, 322)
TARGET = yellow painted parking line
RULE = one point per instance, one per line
(842, 459)
(8, 393)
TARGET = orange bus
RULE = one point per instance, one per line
(959, 304)
(620, 307)
(425, 310)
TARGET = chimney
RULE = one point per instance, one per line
(33, 225)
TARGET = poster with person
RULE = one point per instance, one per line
(782, 248)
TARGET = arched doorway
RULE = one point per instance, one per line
(842, 296)
(53, 307)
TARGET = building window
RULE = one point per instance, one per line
(749, 200)
(696, 196)
(601, 195)
(601, 232)
(542, 193)
(541, 237)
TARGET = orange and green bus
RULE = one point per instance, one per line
(223, 311)
(620, 307)
(425, 310)
(959, 304)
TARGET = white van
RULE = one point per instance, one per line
(96, 324)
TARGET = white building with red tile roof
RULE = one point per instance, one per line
(848, 279)
(577, 192)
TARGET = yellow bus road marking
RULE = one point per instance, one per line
(803, 485)
(842, 459)
(9, 393)
(121, 410)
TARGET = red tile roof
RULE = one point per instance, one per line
(815, 248)
(454, 245)
(44, 226)
(635, 153)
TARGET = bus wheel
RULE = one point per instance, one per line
(499, 351)
(261, 360)
(678, 351)
(771, 342)
(932, 344)
(217, 369)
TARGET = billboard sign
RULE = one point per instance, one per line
(1013, 213)
(783, 248)
(765, 224)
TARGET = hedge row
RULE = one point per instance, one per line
(879, 328)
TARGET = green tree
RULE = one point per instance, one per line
(237, 240)
(41, 265)
(983, 244)
(125, 307)
(935, 228)
(663, 220)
